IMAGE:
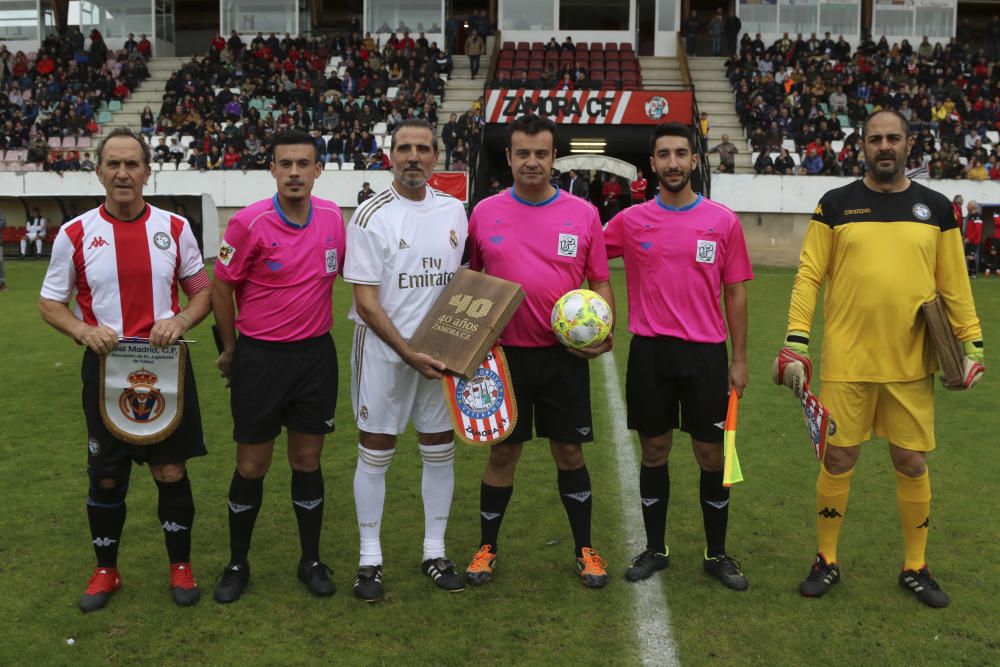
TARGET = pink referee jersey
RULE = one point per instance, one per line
(283, 273)
(548, 248)
(676, 262)
(125, 273)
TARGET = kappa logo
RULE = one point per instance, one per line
(104, 541)
(647, 502)
(308, 504)
(926, 523)
(583, 430)
(490, 516)
(403, 245)
(98, 242)
(237, 508)
(173, 527)
(829, 513)
(579, 496)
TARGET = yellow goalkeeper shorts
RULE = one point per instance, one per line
(901, 412)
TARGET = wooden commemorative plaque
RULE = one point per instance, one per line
(466, 320)
(949, 350)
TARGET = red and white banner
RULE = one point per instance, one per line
(482, 408)
(591, 107)
(454, 183)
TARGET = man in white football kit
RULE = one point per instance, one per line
(403, 247)
(35, 232)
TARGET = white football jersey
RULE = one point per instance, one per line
(410, 249)
(125, 273)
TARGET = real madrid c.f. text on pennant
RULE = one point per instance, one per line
(482, 408)
(142, 390)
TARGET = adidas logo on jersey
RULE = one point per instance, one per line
(98, 242)
(403, 245)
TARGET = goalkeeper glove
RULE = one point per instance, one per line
(793, 367)
(974, 363)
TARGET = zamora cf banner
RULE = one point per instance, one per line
(590, 107)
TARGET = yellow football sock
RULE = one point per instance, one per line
(913, 495)
(831, 505)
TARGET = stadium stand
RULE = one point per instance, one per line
(54, 100)
(348, 91)
(802, 101)
(568, 66)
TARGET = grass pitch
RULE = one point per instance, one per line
(535, 611)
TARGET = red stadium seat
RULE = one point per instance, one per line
(537, 46)
(508, 46)
(611, 55)
(596, 46)
(506, 64)
(612, 75)
(611, 46)
(626, 47)
(523, 46)
(629, 66)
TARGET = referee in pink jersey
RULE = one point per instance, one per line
(549, 242)
(682, 252)
(124, 260)
(279, 258)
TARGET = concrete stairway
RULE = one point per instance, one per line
(461, 92)
(715, 97)
(148, 93)
(659, 72)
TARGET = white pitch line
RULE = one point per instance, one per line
(651, 613)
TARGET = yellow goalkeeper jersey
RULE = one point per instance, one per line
(882, 256)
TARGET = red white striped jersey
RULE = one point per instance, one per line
(126, 274)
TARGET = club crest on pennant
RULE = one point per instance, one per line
(482, 408)
(141, 401)
(142, 390)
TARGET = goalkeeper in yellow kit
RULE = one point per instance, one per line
(884, 245)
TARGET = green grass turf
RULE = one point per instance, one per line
(535, 611)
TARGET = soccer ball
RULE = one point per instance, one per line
(581, 318)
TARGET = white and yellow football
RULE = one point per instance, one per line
(581, 318)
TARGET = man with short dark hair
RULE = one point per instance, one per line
(404, 246)
(682, 253)
(126, 261)
(557, 243)
(877, 364)
(279, 258)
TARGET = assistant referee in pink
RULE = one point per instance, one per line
(279, 257)
(682, 252)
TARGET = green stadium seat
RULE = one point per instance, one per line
(114, 105)
(103, 117)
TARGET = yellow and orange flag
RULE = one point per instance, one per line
(731, 473)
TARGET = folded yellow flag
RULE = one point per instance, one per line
(731, 468)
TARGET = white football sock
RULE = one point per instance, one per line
(369, 500)
(437, 487)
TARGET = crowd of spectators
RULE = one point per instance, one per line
(221, 111)
(50, 98)
(805, 99)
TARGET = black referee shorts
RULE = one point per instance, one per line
(551, 389)
(104, 449)
(291, 384)
(673, 383)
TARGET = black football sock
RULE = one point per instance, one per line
(106, 523)
(714, 511)
(493, 501)
(245, 497)
(654, 494)
(307, 500)
(574, 489)
(176, 512)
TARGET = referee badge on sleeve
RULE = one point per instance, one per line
(226, 253)
(706, 252)
(331, 260)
